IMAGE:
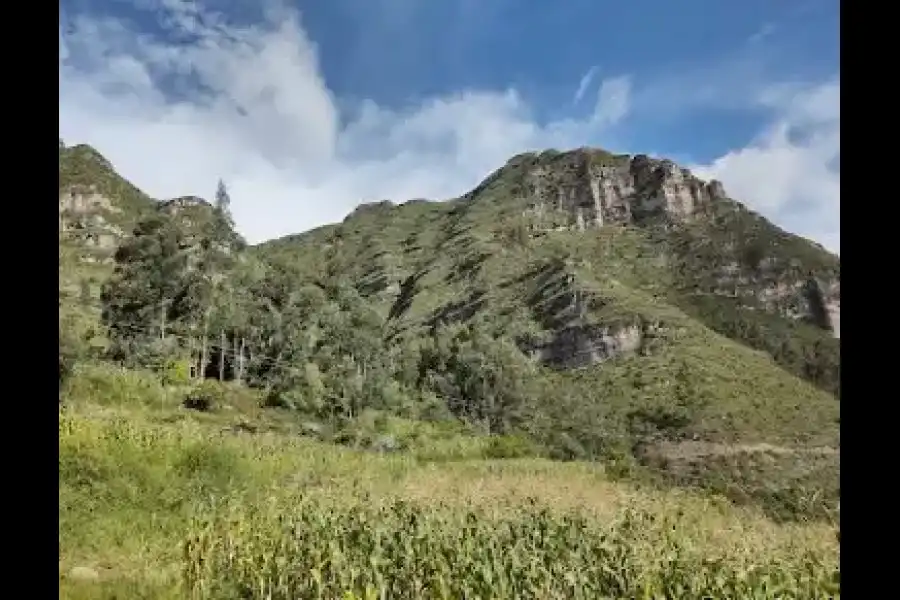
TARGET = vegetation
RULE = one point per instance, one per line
(442, 345)
(159, 502)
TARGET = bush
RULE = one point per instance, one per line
(510, 446)
(176, 372)
(71, 349)
(208, 396)
(564, 447)
(65, 370)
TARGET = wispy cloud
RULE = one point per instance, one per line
(762, 33)
(586, 80)
(613, 100)
(250, 104)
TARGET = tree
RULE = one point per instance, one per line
(151, 290)
(171, 284)
(481, 379)
(223, 200)
(224, 219)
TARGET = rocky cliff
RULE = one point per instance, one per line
(593, 189)
(722, 248)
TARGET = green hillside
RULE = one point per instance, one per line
(556, 386)
(599, 306)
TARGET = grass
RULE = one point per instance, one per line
(158, 504)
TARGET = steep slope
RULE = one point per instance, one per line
(724, 265)
(606, 306)
(592, 250)
(97, 208)
(653, 308)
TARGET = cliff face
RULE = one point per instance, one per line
(597, 189)
(717, 246)
(84, 215)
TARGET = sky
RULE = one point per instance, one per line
(307, 108)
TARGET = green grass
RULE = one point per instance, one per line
(159, 504)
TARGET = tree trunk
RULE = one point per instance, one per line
(240, 359)
(223, 346)
(203, 351)
(192, 360)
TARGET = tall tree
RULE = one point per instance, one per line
(223, 201)
(222, 205)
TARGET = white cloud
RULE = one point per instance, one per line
(586, 80)
(613, 100)
(791, 172)
(268, 124)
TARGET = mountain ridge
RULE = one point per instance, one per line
(755, 266)
(603, 305)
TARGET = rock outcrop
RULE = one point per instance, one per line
(97, 208)
(184, 203)
(591, 188)
(584, 345)
(85, 214)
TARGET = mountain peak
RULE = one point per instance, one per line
(591, 187)
(86, 153)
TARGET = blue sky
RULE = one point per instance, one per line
(310, 107)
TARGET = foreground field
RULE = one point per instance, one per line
(159, 505)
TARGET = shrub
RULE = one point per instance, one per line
(71, 349)
(176, 372)
(207, 396)
(510, 446)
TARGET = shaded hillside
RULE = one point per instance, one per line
(602, 306)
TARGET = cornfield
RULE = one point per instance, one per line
(401, 550)
(180, 510)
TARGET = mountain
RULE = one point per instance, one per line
(592, 246)
(97, 208)
(96, 205)
(603, 306)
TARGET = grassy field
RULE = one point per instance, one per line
(160, 502)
